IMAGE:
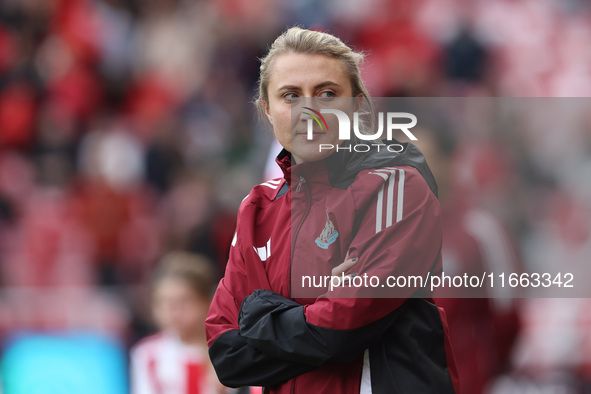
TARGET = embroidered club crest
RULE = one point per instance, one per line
(328, 235)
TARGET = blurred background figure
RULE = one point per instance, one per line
(127, 131)
(175, 360)
(483, 326)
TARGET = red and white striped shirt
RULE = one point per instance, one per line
(163, 364)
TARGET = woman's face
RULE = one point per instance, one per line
(314, 81)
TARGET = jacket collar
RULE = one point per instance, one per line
(312, 171)
(341, 168)
(283, 160)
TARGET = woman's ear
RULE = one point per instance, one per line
(266, 106)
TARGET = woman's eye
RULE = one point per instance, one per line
(327, 94)
(290, 97)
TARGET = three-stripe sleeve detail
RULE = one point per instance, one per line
(273, 184)
(392, 204)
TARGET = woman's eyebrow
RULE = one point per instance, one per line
(289, 87)
(319, 86)
(325, 84)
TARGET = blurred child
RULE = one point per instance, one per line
(175, 360)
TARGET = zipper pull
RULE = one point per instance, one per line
(299, 186)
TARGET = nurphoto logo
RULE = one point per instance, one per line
(345, 129)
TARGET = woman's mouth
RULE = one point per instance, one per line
(315, 135)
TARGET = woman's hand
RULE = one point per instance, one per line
(344, 266)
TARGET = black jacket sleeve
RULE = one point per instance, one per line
(277, 326)
(237, 363)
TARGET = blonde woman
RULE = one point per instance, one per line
(334, 213)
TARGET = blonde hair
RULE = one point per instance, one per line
(194, 269)
(298, 40)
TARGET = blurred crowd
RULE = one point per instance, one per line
(127, 130)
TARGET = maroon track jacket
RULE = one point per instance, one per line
(266, 328)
